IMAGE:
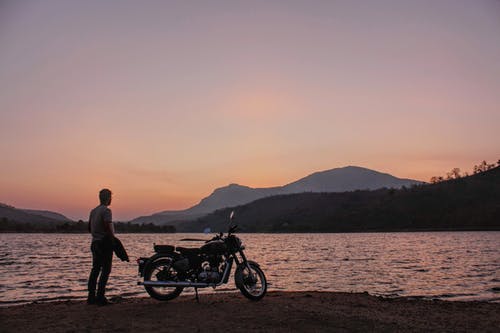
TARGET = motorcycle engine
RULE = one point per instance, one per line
(209, 273)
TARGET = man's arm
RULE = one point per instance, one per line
(109, 228)
(108, 223)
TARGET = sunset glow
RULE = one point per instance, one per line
(165, 101)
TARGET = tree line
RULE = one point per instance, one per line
(456, 173)
(7, 225)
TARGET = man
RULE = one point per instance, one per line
(101, 228)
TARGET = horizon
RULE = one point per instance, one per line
(165, 102)
(211, 192)
(462, 174)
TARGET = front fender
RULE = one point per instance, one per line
(238, 274)
(250, 262)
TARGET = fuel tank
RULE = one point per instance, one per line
(214, 247)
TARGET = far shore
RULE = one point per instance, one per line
(277, 312)
(275, 232)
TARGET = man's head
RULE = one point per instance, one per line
(105, 197)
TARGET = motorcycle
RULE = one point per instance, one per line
(171, 269)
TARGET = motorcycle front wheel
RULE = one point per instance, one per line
(161, 270)
(252, 283)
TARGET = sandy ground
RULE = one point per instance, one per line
(277, 312)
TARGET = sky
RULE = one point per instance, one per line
(164, 101)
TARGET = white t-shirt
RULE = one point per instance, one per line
(98, 217)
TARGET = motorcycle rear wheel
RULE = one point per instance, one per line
(253, 283)
(161, 270)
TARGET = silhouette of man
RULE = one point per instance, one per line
(101, 228)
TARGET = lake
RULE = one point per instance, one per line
(441, 265)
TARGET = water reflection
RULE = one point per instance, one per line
(456, 266)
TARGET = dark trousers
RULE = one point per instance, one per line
(102, 256)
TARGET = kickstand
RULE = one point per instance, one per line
(196, 291)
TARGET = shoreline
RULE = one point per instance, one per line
(492, 229)
(277, 311)
(189, 292)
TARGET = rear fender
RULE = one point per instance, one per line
(159, 256)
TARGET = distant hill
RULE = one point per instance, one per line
(28, 221)
(469, 203)
(335, 180)
(49, 214)
(36, 218)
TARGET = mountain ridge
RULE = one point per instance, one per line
(19, 215)
(47, 213)
(467, 203)
(333, 180)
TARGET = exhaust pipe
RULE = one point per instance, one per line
(187, 284)
(176, 284)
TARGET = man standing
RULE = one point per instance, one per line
(101, 228)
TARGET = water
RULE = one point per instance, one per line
(442, 265)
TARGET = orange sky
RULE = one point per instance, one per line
(165, 101)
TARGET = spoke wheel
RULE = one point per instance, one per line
(252, 283)
(162, 270)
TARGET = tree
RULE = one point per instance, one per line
(483, 166)
(455, 172)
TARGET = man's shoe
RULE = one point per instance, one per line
(91, 300)
(103, 301)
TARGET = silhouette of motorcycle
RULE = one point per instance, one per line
(171, 269)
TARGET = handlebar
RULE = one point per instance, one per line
(216, 237)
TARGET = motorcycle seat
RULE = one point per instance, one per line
(163, 248)
(188, 250)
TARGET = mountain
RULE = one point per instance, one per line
(347, 179)
(468, 203)
(35, 217)
(48, 214)
(335, 180)
(41, 221)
